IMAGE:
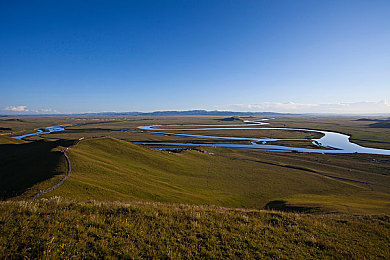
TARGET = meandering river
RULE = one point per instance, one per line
(48, 130)
(337, 142)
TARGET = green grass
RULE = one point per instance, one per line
(361, 132)
(58, 228)
(110, 169)
(9, 140)
(114, 170)
(254, 133)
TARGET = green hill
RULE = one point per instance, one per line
(110, 169)
(9, 140)
(26, 167)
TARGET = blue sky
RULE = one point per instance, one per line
(283, 56)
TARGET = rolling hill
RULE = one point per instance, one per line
(111, 169)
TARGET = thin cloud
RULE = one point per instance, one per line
(332, 108)
(25, 110)
(17, 108)
(45, 110)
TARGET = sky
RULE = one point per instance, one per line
(264, 55)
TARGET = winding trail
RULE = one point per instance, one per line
(61, 181)
(69, 169)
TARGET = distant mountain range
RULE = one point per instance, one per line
(162, 113)
(193, 113)
(184, 113)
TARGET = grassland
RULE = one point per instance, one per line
(9, 140)
(130, 201)
(255, 133)
(23, 125)
(58, 228)
(297, 143)
(362, 132)
(110, 169)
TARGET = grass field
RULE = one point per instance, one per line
(110, 169)
(361, 132)
(58, 228)
(250, 133)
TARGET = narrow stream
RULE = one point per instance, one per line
(39, 131)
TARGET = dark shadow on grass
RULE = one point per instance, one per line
(281, 205)
(233, 118)
(87, 130)
(24, 165)
(380, 124)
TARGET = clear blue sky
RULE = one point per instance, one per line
(80, 56)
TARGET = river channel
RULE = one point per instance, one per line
(330, 142)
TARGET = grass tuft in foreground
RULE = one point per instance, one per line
(58, 228)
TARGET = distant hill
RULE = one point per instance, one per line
(163, 113)
(193, 113)
(379, 123)
(233, 118)
(186, 113)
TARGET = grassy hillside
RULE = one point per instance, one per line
(63, 229)
(109, 169)
(9, 140)
(27, 167)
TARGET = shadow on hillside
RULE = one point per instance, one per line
(24, 165)
(90, 130)
(281, 205)
(379, 123)
(229, 119)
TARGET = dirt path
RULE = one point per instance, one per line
(69, 169)
(61, 181)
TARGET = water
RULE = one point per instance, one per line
(50, 129)
(337, 142)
